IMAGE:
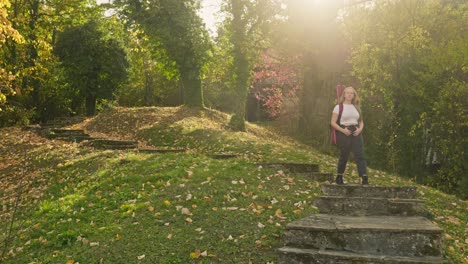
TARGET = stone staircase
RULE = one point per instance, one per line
(364, 224)
(79, 135)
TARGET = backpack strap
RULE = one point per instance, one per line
(340, 112)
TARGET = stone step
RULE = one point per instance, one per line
(161, 150)
(320, 176)
(74, 138)
(362, 206)
(292, 167)
(224, 155)
(67, 132)
(373, 235)
(101, 143)
(357, 190)
(116, 147)
(288, 255)
(98, 142)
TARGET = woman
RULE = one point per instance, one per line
(348, 133)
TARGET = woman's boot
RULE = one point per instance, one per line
(339, 179)
(365, 180)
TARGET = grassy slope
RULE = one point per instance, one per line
(93, 206)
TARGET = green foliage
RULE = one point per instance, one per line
(39, 88)
(247, 29)
(414, 94)
(95, 66)
(176, 27)
(217, 89)
(151, 81)
(311, 35)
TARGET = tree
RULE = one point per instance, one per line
(248, 26)
(175, 27)
(241, 63)
(310, 32)
(6, 31)
(95, 66)
(40, 89)
(410, 61)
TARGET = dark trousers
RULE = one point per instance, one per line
(346, 144)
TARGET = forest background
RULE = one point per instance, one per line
(275, 62)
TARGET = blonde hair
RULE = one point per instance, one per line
(355, 101)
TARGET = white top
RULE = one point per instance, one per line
(350, 115)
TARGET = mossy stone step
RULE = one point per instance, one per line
(56, 133)
(74, 138)
(291, 166)
(362, 206)
(161, 150)
(320, 176)
(374, 235)
(289, 255)
(224, 155)
(76, 135)
(115, 147)
(114, 144)
(355, 190)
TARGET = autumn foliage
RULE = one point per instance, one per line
(274, 80)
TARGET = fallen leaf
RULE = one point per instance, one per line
(195, 254)
(453, 220)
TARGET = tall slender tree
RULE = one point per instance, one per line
(249, 26)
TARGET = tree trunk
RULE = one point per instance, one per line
(241, 66)
(193, 92)
(90, 105)
(148, 97)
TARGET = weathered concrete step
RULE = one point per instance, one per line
(97, 142)
(356, 190)
(292, 167)
(224, 155)
(114, 144)
(374, 235)
(116, 147)
(161, 150)
(74, 138)
(288, 255)
(68, 132)
(361, 206)
(320, 176)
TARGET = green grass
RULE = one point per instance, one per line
(128, 207)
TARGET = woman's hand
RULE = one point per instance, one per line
(347, 132)
(357, 132)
